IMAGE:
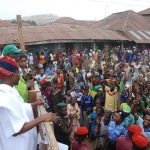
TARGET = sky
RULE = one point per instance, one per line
(77, 9)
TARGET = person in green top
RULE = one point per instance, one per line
(22, 86)
(22, 89)
(128, 116)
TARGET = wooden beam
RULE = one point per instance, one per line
(20, 35)
(52, 143)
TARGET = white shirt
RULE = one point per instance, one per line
(52, 58)
(31, 60)
(14, 113)
(77, 95)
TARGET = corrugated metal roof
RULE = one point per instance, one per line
(5, 23)
(124, 21)
(69, 20)
(145, 12)
(139, 36)
(57, 32)
(131, 24)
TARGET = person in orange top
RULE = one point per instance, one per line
(42, 60)
(60, 78)
(95, 55)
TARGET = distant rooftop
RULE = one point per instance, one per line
(145, 12)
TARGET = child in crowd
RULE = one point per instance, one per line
(103, 130)
(74, 110)
(47, 91)
(77, 93)
(124, 96)
(39, 76)
(93, 124)
(100, 96)
(50, 69)
(86, 103)
(88, 120)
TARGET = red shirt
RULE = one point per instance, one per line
(58, 55)
(60, 81)
(48, 92)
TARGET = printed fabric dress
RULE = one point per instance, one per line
(111, 99)
(75, 111)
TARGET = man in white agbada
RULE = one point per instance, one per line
(17, 124)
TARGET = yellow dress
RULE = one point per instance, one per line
(110, 99)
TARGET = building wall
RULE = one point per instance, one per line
(81, 46)
(50, 47)
(60, 47)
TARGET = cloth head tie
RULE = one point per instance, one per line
(8, 66)
(82, 131)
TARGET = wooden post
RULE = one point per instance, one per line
(20, 35)
(48, 126)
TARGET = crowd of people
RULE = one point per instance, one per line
(99, 96)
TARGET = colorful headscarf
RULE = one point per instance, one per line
(8, 66)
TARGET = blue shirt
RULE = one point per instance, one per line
(87, 102)
(79, 85)
(115, 131)
(49, 70)
(123, 98)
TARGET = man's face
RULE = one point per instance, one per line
(78, 79)
(63, 111)
(97, 103)
(146, 122)
(100, 92)
(14, 56)
(117, 69)
(42, 71)
(107, 118)
(77, 90)
(73, 101)
(15, 78)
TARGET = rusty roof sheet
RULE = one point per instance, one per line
(69, 20)
(5, 23)
(145, 12)
(57, 31)
(147, 18)
(139, 36)
(66, 20)
(124, 21)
